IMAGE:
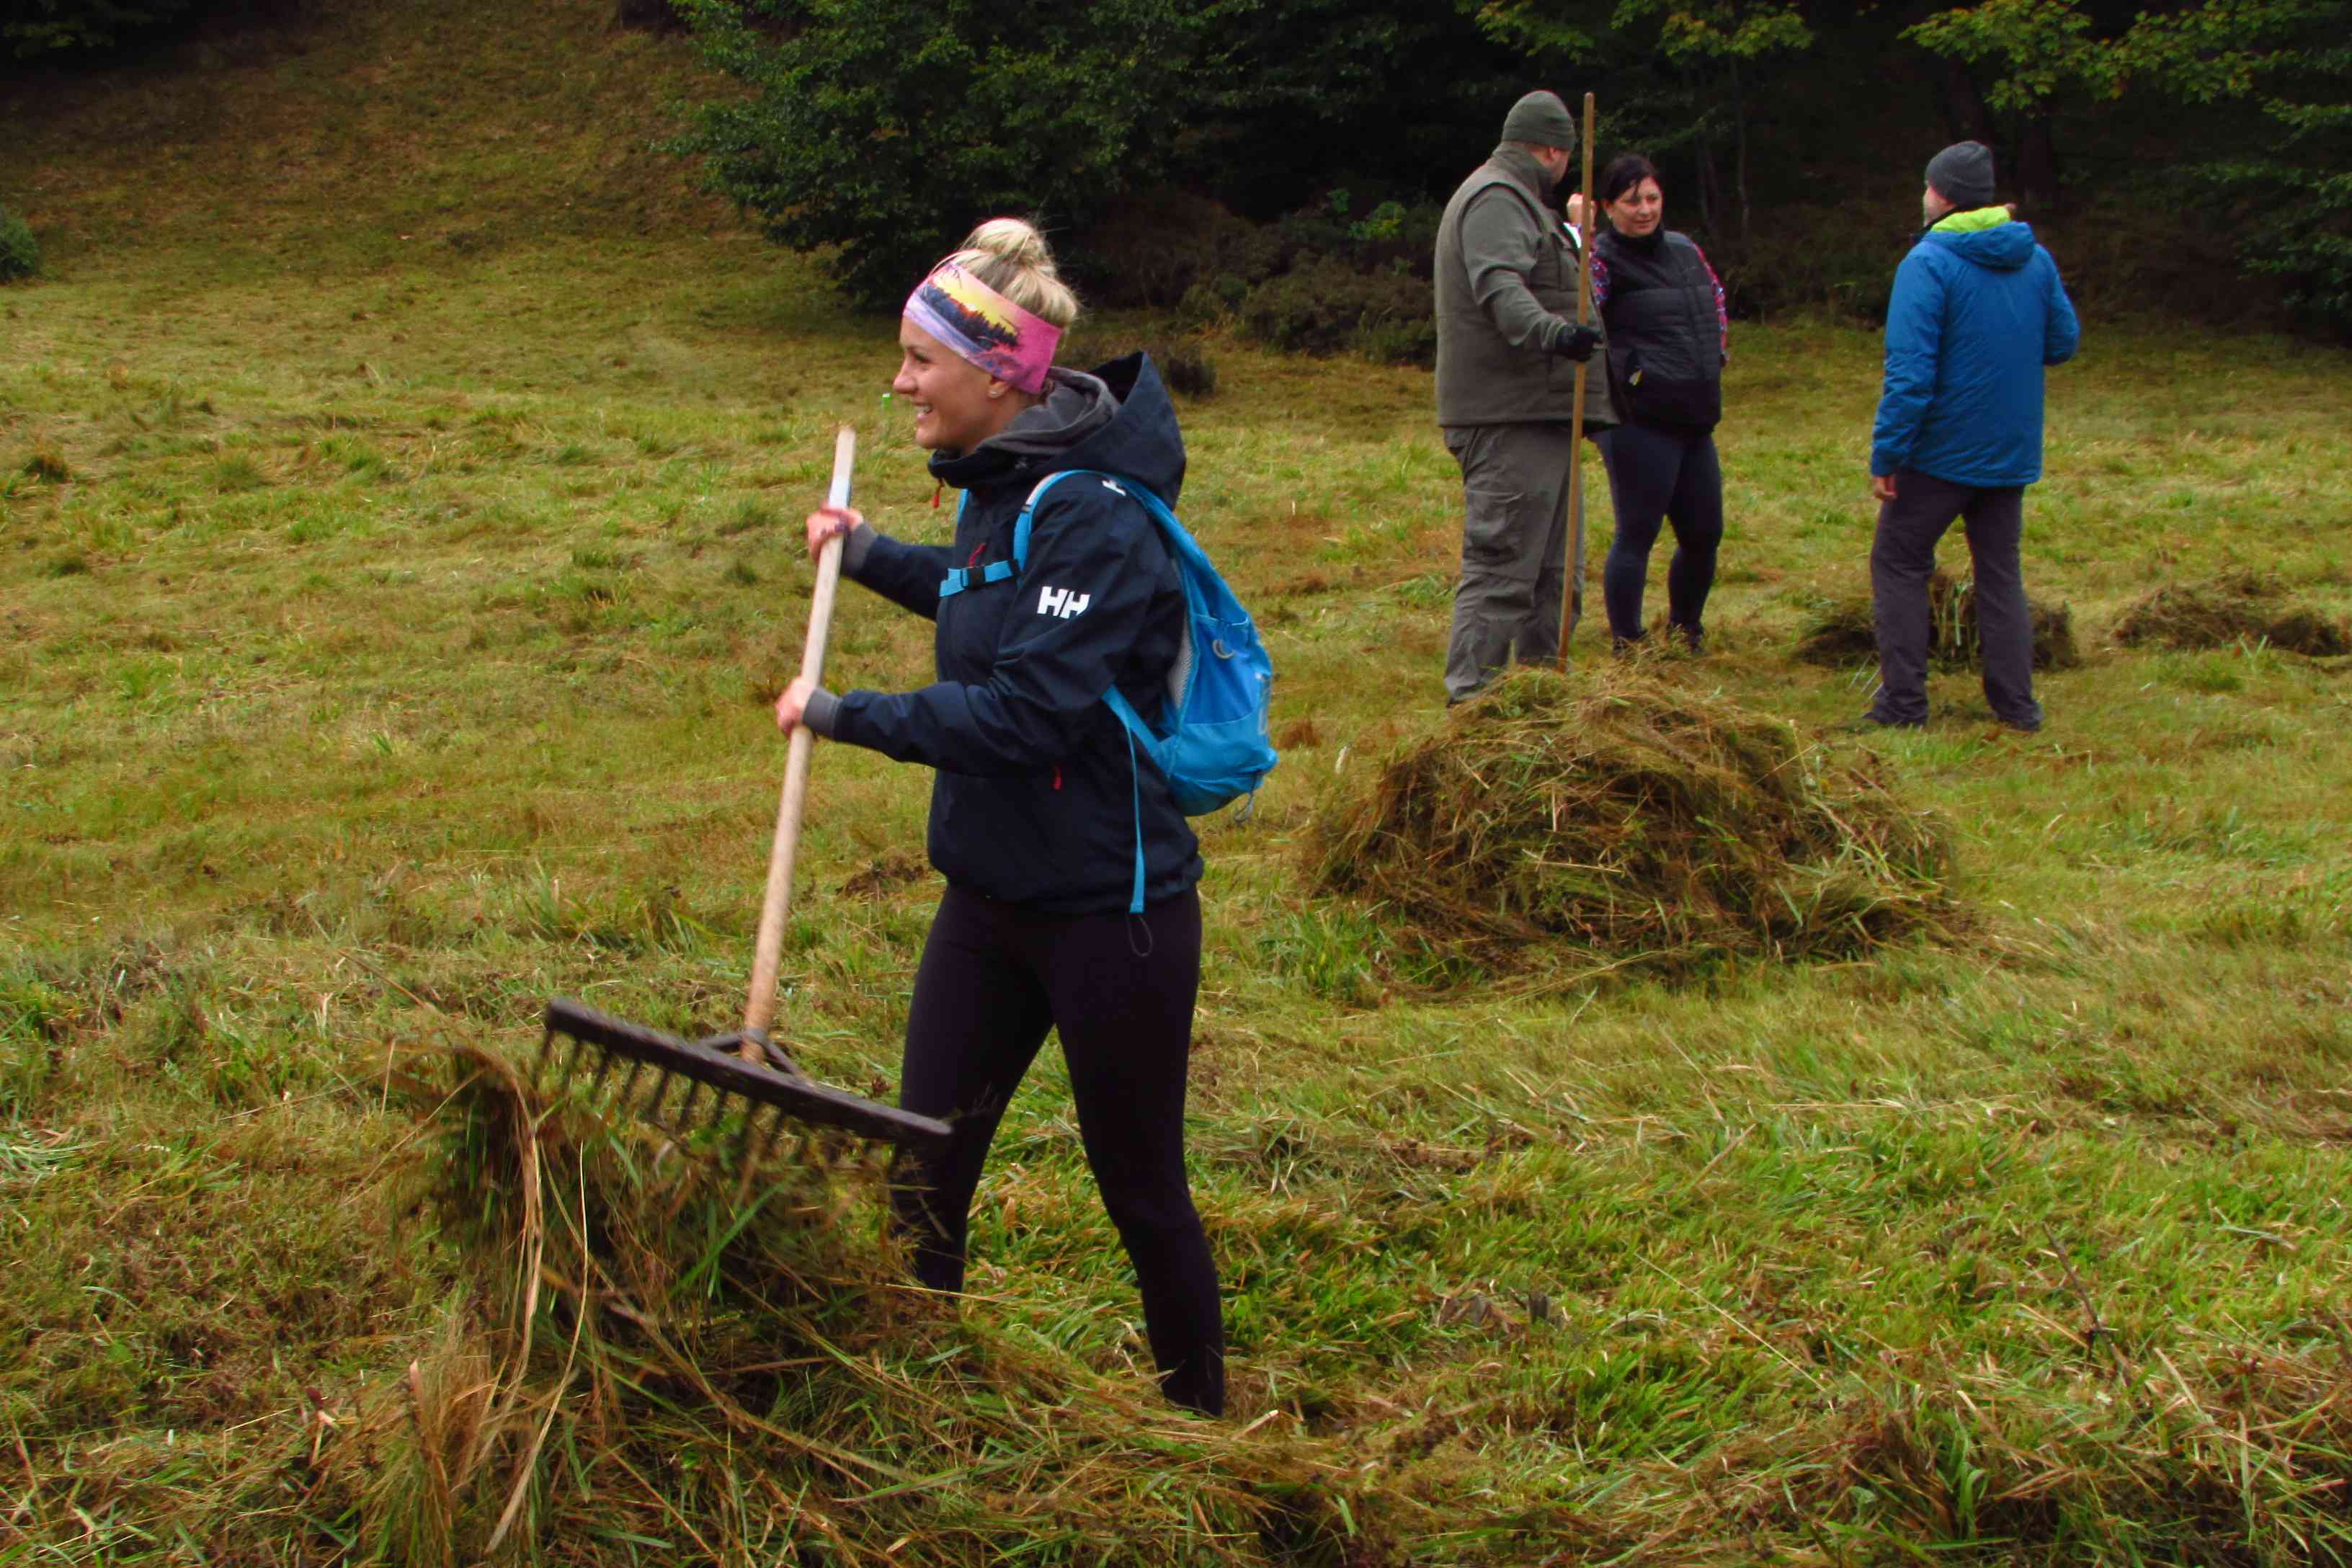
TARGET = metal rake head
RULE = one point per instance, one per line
(694, 1080)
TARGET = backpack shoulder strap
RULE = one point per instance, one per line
(1021, 525)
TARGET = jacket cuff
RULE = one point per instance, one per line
(823, 712)
(856, 547)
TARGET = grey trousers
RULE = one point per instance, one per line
(1515, 532)
(1902, 558)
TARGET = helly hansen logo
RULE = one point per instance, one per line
(1062, 601)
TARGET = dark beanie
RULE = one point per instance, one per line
(1542, 119)
(1962, 175)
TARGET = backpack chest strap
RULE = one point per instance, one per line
(962, 577)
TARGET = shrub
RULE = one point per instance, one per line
(1157, 249)
(20, 254)
(884, 128)
(44, 27)
(1327, 306)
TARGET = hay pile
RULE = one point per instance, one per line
(653, 1346)
(2240, 606)
(1619, 820)
(1840, 634)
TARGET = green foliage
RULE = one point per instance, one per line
(47, 27)
(2043, 49)
(1327, 306)
(20, 253)
(888, 127)
(2294, 195)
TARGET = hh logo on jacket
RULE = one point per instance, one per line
(1062, 601)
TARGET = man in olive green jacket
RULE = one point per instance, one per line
(1507, 348)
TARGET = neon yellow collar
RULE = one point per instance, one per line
(1971, 222)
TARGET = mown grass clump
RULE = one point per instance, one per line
(2238, 606)
(1633, 823)
(659, 1343)
(1840, 634)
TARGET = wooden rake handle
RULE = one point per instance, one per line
(768, 950)
(1572, 601)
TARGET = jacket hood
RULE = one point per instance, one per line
(1117, 418)
(1987, 237)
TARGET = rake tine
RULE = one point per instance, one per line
(768, 1139)
(546, 1052)
(682, 1119)
(662, 1082)
(604, 1071)
(572, 1062)
(629, 1084)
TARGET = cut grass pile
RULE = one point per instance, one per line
(2236, 607)
(660, 1342)
(1624, 819)
(1841, 635)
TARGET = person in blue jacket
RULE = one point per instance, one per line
(1978, 313)
(1038, 803)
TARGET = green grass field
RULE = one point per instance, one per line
(398, 503)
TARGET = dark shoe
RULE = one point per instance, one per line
(1693, 638)
(2022, 726)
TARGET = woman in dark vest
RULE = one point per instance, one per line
(1669, 339)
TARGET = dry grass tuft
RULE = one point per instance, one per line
(48, 463)
(1633, 823)
(2238, 606)
(1841, 636)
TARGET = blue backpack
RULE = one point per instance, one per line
(1215, 749)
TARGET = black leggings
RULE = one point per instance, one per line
(1657, 475)
(995, 978)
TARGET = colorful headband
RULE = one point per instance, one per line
(984, 327)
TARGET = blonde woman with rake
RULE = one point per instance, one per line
(1072, 900)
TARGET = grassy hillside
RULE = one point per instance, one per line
(399, 479)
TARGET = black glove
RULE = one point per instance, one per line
(1578, 344)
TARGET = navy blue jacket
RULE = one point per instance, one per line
(1037, 797)
(1977, 312)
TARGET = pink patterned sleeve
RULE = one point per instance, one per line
(1599, 281)
(1722, 311)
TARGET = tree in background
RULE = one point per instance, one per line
(1717, 56)
(886, 127)
(36, 27)
(2286, 179)
(2289, 191)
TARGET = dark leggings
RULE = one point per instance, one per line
(1657, 476)
(995, 978)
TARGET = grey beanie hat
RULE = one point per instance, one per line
(1542, 119)
(1962, 175)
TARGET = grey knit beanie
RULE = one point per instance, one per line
(1962, 175)
(1542, 119)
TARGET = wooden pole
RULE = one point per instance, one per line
(1572, 608)
(768, 950)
